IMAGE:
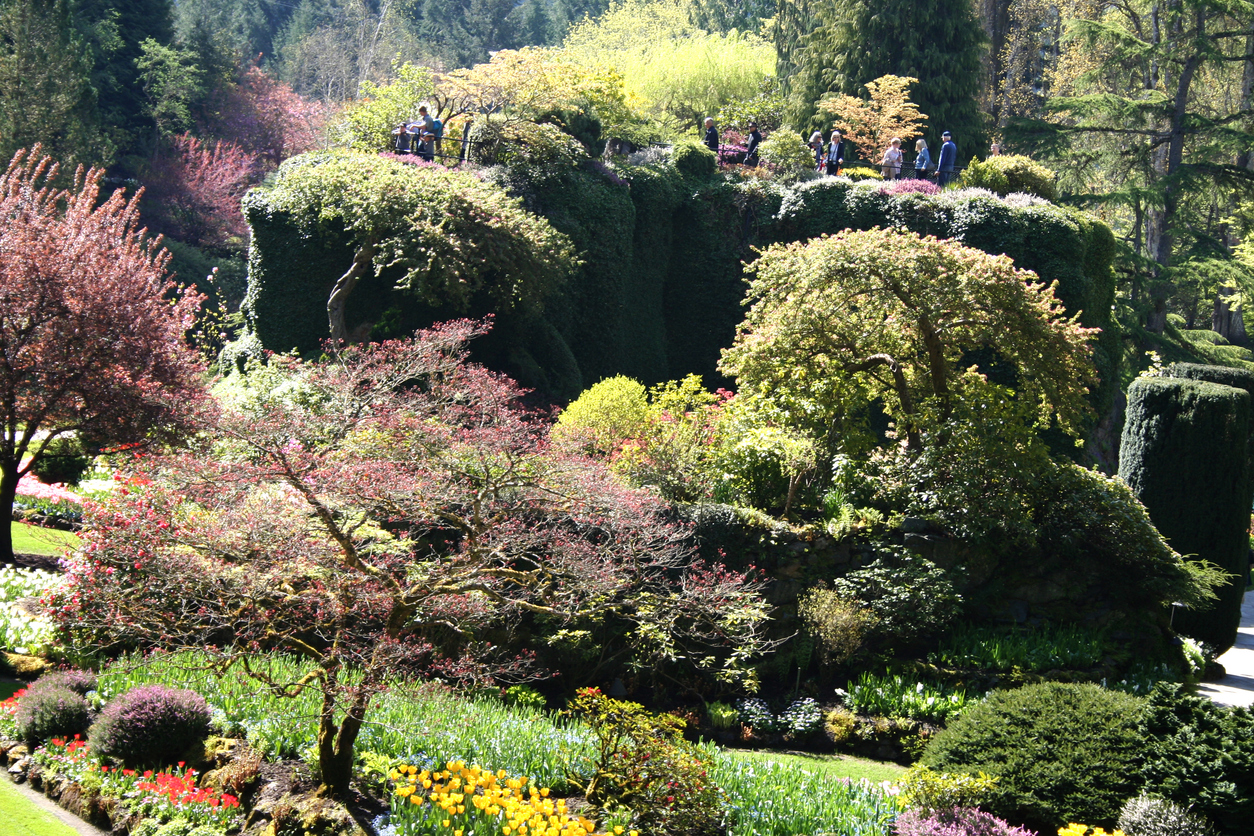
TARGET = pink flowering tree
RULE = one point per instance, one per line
(91, 331)
(383, 513)
(267, 119)
(194, 191)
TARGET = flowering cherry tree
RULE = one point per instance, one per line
(382, 513)
(91, 331)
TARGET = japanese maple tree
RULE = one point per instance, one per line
(91, 330)
(387, 512)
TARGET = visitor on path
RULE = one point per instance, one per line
(711, 135)
(400, 138)
(755, 139)
(426, 146)
(948, 161)
(890, 164)
(816, 145)
(922, 160)
(437, 129)
(994, 150)
(835, 154)
(428, 124)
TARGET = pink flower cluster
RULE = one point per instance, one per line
(28, 485)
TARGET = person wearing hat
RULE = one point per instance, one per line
(948, 161)
(426, 146)
(755, 139)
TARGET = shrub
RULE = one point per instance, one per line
(802, 717)
(151, 725)
(524, 696)
(63, 462)
(840, 724)
(1009, 174)
(80, 682)
(910, 596)
(1196, 753)
(757, 715)
(910, 185)
(840, 624)
(642, 763)
(1063, 752)
(1146, 816)
(861, 172)
(602, 418)
(956, 821)
(1183, 454)
(45, 713)
(722, 715)
(931, 792)
(175, 827)
(788, 153)
(694, 160)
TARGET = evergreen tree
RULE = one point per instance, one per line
(839, 47)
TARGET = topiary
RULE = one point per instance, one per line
(1062, 752)
(48, 712)
(80, 682)
(151, 725)
(1184, 454)
(694, 160)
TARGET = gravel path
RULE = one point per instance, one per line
(1237, 688)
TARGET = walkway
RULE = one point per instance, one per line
(1237, 688)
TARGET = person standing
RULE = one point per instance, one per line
(755, 139)
(835, 153)
(890, 164)
(428, 124)
(948, 161)
(994, 150)
(711, 135)
(816, 145)
(922, 160)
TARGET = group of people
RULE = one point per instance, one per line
(751, 147)
(830, 157)
(423, 136)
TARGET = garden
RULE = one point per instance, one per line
(639, 493)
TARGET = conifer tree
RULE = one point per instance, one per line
(840, 47)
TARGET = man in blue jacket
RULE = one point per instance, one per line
(948, 161)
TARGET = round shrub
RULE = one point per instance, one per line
(1063, 752)
(1009, 174)
(694, 160)
(958, 821)
(80, 682)
(151, 725)
(47, 712)
(1146, 816)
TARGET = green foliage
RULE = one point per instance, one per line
(525, 697)
(722, 716)
(1199, 755)
(51, 711)
(1010, 173)
(63, 461)
(1044, 648)
(1062, 752)
(897, 696)
(694, 160)
(175, 827)
(643, 763)
(840, 624)
(1184, 454)
(367, 124)
(765, 107)
(926, 789)
(910, 597)
(445, 237)
(173, 82)
(606, 415)
(788, 153)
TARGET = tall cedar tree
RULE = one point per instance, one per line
(384, 513)
(90, 342)
(840, 47)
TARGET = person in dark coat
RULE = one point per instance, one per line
(711, 135)
(836, 151)
(751, 151)
(816, 145)
(948, 161)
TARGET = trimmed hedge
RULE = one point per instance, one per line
(658, 293)
(1064, 752)
(1184, 453)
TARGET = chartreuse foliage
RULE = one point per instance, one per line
(445, 237)
(1011, 173)
(890, 316)
(1185, 455)
(366, 125)
(1062, 752)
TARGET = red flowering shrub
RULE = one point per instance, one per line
(193, 191)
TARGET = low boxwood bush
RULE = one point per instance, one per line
(1063, 752)
(151, 726)
(51, 711)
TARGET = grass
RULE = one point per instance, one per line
(9, 687)
(825, 766)
(30, 539)
(22, 818)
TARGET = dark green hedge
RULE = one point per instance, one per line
(1184, 454)
(659, 292)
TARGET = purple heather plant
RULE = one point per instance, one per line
(958, 821)
(151, 725)
(909, 185)
(80, 682)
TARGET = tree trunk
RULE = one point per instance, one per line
(8, 492)
(1225, 321)
(343, 287)
(336, 742)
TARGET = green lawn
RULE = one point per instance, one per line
(831, 766)
(9, 687)
(22, 818)
(29, 539)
